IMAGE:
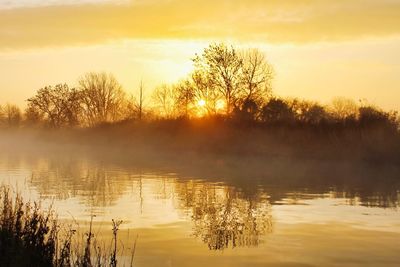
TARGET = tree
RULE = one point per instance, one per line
(103, 99)
(247, 111)
(277, 111)
(255, 89)
(130, 110)
(203, 90)
(140, 102)
(222, 67)
(164, 99)
(315, 114)
(343, 108)
(370, 116)
(256, 76)
(134, 108)
(33, 117)
(308, 112)
(12, 115)
(59, 105)
(185, 98)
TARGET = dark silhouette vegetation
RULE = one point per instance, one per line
(225, 105)
(31, 236)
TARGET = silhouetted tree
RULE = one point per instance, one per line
(203, 90)
(247, 111)
(343, 108)
(222, 67)
(185, 98)
(373, 117)
(12, 115)
(103, 99)
(308, 112)
(33, 117)
(224, 80)
(164, 99)
(277, 111)
(59, 105)
(140, 103)
(130, 109)
(256, 76)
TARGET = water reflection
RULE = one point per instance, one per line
(223, 217)
(223, 214)
(101, 184)
(380, 197)
(93, 184)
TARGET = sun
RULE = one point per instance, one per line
(201, 108)
(201, 103)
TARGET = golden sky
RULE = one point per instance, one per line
(319, 48)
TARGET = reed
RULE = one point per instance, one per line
(31, 236)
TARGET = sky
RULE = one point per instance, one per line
(320, 49)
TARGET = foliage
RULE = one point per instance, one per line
(31, 237)
(277, 111)
(27, 236)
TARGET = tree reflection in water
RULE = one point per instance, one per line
(94, 184)
(228, 214)
(225, 217)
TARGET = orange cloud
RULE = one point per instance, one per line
(275, 21)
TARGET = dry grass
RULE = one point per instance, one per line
(31, 236)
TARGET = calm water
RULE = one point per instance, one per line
(198, 221)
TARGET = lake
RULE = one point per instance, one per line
(185, 219)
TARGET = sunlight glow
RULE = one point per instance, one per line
(201, 103)
(220, 105)
(200, 108)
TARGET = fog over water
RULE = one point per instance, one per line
(187, 208)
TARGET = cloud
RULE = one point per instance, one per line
(8, 4)
(293, 21)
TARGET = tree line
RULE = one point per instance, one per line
(226, 82)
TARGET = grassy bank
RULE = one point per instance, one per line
(31, 236)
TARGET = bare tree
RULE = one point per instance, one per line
(139, 103)
(134, 109)
(58, 105)
(222, 66)
(12, 115)
(256, 76)
(141, 100)
(33, 116)
(184, 98)
(164, 100)
(343, 108)
(103, 99)
(203, 90)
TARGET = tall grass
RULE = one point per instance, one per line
(31, 236)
